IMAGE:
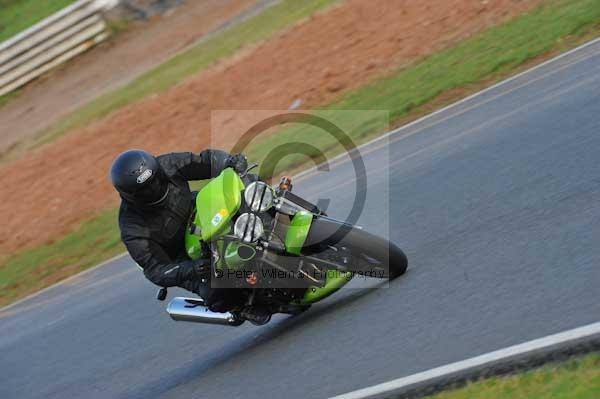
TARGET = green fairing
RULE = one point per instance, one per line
(297, 232)
(335, 281)
(216, 203)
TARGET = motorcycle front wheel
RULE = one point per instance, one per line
(354, 249)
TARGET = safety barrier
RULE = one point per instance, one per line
(51, 42)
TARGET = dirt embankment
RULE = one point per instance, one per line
(49, 191)
(110, 65)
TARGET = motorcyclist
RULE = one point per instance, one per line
(156, 204)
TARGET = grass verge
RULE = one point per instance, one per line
(29, 271)
(172, 72)
(6, 98)
(18, 15)
(574, 379)
(407, 93)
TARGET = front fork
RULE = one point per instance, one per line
(295, 239)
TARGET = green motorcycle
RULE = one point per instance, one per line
(279, 252)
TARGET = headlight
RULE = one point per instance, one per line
(259, 196)
(248, 227)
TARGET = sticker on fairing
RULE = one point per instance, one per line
(216, 219)
(219, 217)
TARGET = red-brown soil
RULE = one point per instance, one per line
(51, 190)
(111, 65)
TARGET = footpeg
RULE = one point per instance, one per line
(161, 294)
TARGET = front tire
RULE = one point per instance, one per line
(368, 251)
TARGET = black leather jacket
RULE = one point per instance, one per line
(154, 236)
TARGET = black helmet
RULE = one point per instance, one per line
(138, 177)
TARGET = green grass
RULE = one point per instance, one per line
(575, 379)
(29, 271)
(118, 26)
(18, 15)
(192, 61)
(495, 53)
(4, 99)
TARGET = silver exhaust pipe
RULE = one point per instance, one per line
(191, 309)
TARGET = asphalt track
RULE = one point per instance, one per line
(496, 202)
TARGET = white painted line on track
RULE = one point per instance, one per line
(482, 360)
(304, 174)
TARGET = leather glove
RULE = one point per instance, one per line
(191, 270)
(238, 162)
(202, 268)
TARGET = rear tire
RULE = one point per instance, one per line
(368, 251)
